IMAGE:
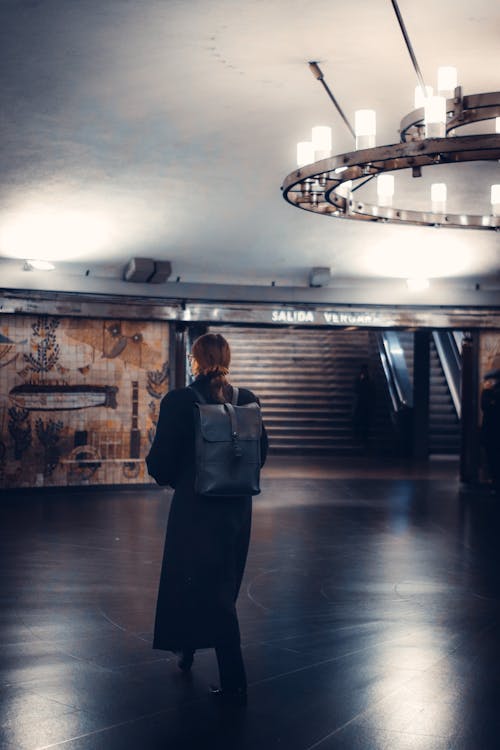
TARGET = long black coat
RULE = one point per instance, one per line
(207, 538)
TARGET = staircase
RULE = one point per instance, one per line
(444, 425)
(304, 380)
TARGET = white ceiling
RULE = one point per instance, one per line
(164, 129)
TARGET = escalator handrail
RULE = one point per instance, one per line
(399, 368)
(399, 398)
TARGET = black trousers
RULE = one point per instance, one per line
(231, 668)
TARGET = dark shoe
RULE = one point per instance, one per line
(236, 697)
(185, 661)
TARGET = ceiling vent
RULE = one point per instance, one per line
(147, 270)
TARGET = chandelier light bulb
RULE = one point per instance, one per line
(305, 153)
(385, 189)
(495, 200)
(438, 197)
(365, 127)
(421, 95)
(447, 81)
(435, 117)
(322, 141)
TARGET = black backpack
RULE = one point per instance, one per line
(227, 447)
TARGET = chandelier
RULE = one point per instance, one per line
(429, 136)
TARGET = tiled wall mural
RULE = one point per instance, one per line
(79, 399)
(489, 359)
(489, 352)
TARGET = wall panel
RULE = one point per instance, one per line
(79, 398)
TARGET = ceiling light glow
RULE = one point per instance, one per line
(49, 234)
(417, 284)
(38, 265)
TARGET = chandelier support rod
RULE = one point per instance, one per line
(408, 44)
(317, 73)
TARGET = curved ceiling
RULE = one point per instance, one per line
(164, 129)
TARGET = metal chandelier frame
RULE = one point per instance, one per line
(315, 187)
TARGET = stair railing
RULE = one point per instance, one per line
(451, 362)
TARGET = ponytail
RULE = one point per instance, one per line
(212, 356)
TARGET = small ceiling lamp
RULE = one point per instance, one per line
(429, 136)
(438, 197)
(385, 189)
(365, 127)
(421, 94)
(435, 117)
(305, 153)
(321, 138)
(447, 81)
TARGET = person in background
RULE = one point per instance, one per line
(490, 427)
(364, 405)
(207, 539)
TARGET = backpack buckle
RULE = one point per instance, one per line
(236, 445)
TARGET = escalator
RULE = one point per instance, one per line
(444, 386)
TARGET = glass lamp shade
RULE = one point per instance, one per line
(305, 153)
(435, 117)
(438, 197)
(365, 127)
(447, 81)
(322, 141)
(495, 200)
(421, 95)
(385, 189)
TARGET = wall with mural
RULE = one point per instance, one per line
(79, 399)
(489, 361)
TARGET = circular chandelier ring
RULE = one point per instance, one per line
(314, 187)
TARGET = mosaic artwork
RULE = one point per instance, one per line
(79, 399)
(489, 361)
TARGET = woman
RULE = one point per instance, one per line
(207, 537)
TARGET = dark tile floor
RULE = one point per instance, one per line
(369, 612)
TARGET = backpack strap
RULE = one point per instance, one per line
(234, 399)
(234, 430)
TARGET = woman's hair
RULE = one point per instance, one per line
(212, 356)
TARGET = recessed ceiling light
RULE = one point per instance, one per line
(38, 265)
